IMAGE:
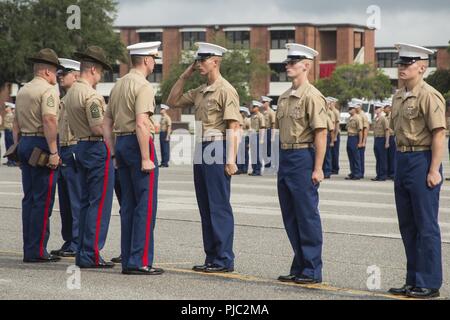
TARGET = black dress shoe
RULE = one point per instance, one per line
(423, 293)
(352, 178)
(447, 179)
(101, 265)
(400, 291)
(56, 252)
(50, 258)
(254, 174)
(378, 179)
(201, 268)
(143, 271)
(117, 259)
(218, 269)
(327, 177)
(289, 278)
(68, 254)
(305, 280)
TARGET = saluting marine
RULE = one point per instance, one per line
(217, 107)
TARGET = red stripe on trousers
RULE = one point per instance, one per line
(100, 206)
(149, 207)
(46, 212)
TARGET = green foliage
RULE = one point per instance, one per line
(440, 80)
(356, 81)
(27, 26)
(240, 67)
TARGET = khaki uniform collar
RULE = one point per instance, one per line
(83, 81)
(40, 79)
(413, 93)
(301, 90)
(212, 87)
(135, 71)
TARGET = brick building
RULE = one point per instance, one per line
(337, 44)
(385, 57)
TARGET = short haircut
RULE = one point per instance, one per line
(38, 67)
(137, 60)
(86, 65)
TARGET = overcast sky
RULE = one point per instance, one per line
(425, 22)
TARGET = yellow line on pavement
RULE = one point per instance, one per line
(248, 278)
(321, 286)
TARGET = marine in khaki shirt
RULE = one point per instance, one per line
(132, 95)
(165, 122)
(380, 126)
(354, 125)
(35, 100)
(416, 114)
(299, 113)
(257, 121)
(331, 121)
(8, 120)
(85, 109)
(66, 136)
(337, 116)
(269, 118)
(214, 105)
(217, 107)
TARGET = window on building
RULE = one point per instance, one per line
(281, 37)
(279, 73)
(156, 76)
(387, 59)
(190, 38)
(112, 76)
(240, 38)
(432, 62)
(358, 42)
(150, 36)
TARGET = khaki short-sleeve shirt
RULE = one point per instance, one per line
(8, 120)
(364, 119)
(416, 114)
(269, 118)
(66, 136)
(214, 105)
(130, 96)
(85, 108)
(354, 125)
(337, 116)
(257, 122)
(299, 113)
(331, 120)
(35, 100)
(165, 122)
(380, 126)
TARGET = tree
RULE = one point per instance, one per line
(356, 81)
(27, 26)
(440, 80)
(240, 67)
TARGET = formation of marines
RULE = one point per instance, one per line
(90, 145)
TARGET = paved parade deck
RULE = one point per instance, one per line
(360, 230)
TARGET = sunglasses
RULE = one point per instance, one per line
(292, 62)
